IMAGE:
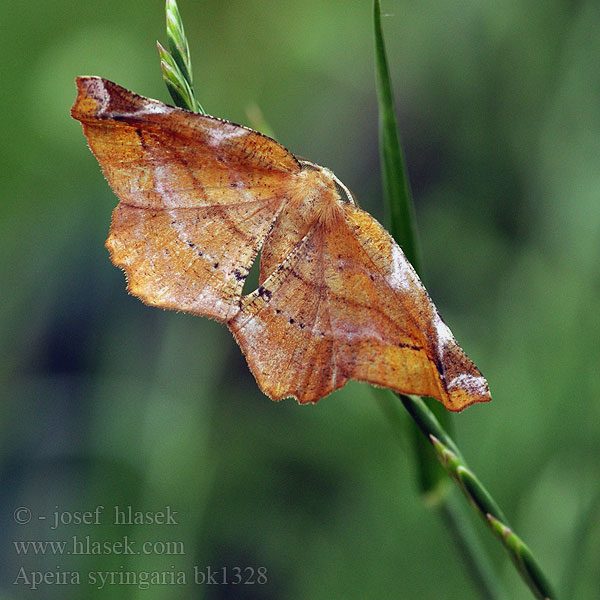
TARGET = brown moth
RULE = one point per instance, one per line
(337, 299)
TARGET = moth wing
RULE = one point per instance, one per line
(197, 196)
(346, 304)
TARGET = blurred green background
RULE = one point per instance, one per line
(108, 402)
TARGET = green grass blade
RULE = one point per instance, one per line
(182, 94)
(471, 549)
(178, 44)
(402, 225)
(398, 199)
(490, 512)
(523, 559)
(176, 65)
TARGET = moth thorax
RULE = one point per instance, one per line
(328, 209)
(316, 188)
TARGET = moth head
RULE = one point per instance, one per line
(329, 179)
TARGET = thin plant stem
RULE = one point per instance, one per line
(401, 222)
(176, 65)
(470, 548)
(400, 211)
(479, 498)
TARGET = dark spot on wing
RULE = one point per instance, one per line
(193, 247)
(411, 347)
(264, 292)
(440, 369)
(138, 132)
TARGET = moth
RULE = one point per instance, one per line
(336, 300)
